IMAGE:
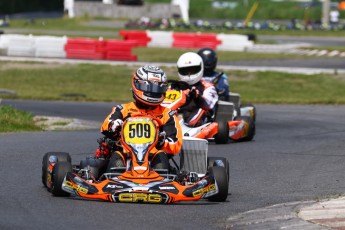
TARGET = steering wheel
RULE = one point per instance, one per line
(179, 85)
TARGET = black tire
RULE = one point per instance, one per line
(212, 161)
(222, 137)
(160, 161)
(97, 166)
(59, 173)
(115, 161)
(251, 128)
(61, 156)
(219, 174)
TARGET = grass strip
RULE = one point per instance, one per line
(13, 120)
(89, 82)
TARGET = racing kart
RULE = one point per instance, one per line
(192, 175)
(230, 121)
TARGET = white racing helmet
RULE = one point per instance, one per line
(190, 68)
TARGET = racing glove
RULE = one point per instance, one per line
(194, 93)
(114, 126)
(161, 140)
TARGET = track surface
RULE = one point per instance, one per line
(298, 154)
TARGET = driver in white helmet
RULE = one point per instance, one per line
(203, 96)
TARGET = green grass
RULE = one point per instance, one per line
(12, 120)
(112, 83)
(65, 24)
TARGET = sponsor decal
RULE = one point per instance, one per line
(201, 191)
(140, 198)
(140, 168)
(167, 187)
(113, 186)
(76, 187)
(172, 113)
(133, 110)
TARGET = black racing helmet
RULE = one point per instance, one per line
(209, 57)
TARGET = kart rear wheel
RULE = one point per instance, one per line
(251, 128)
(59, 173)
(61, 156)
(214, 161)
(95, 166)
(222, 137)
(220, 176)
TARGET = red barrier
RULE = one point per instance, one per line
(120, 50)
(184, 40)
(195, 40)
(139, 36)
(207, 40)
(84, 48)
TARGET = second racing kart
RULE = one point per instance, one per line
(231, 121)
(192, 175)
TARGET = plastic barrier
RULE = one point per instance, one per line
(160, 39)
(184, 40)
(139, 36)
(20, 45)
(85, 48)
(50, 46)
(207, 40)
(120, 50)
(234, 42)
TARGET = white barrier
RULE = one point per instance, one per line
(234, 42)
(50, 46)
(160, 39)
(21, 45)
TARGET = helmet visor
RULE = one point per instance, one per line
(190, 70)
(151, 87)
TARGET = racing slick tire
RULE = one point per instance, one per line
(214, 161)
(220, 176)
(96, 166)
(222, 137)
(251, 128)
(59, 172)
(61, 156)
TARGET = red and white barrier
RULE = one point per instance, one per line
(226, 42)
(111, 49)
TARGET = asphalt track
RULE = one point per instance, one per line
(297, 155)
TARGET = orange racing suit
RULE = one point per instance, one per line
(171, 125)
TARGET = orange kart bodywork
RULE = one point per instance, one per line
(238, 129)
(146, 190)
(138, 183)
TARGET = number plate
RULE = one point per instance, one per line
(172, 96)
(139, 131)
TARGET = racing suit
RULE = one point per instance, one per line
(221, 82)
(173, 133)
(200, 106)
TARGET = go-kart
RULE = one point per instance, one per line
(230, 121)
(192, 175)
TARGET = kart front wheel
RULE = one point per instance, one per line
(61, 156)
(222, 137)
(58, 176)
(219, 161)
(220, 176)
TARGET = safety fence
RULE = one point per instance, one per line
(226, 42)
(113, 49)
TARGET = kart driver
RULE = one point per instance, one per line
(220, 79)
(149, 84)
(203, 96)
